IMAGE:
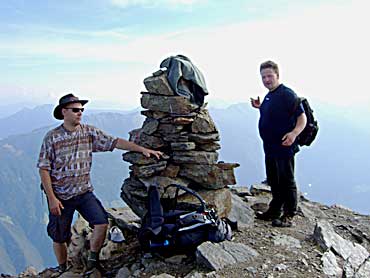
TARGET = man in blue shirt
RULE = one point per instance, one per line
(281, 121)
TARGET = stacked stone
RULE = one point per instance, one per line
(189, 138)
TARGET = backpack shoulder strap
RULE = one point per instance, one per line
(155, 218)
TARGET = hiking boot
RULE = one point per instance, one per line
(284, 222)
(267, 216)
(59, 270)
(91, 264)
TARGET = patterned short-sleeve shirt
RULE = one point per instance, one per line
(68, 157)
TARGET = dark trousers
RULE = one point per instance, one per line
(280, 176)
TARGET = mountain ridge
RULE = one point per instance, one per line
(240, 142)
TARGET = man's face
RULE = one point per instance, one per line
(72, 113)
(270, 78)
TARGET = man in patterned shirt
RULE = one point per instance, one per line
(64, 165)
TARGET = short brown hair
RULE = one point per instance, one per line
(270, 65)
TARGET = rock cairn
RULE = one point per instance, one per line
(188, 137)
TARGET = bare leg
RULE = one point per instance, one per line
(60, 251)
(98, 237)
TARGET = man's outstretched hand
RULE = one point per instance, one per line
(256, 103)
(149, 152)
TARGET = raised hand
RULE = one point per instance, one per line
(256, 103)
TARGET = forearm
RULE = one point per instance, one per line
(300, 125)
(46, 183)
(129, 146)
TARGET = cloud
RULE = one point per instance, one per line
(151, 3)
(320, 54)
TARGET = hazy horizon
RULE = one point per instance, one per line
(104, 49)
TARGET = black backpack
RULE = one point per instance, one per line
(168, 230)
(308, 135)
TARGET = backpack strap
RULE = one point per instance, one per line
(155, 211)
(203, 206)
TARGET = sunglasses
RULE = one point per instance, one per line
(75, 110)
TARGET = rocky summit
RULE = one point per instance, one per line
(324, 241)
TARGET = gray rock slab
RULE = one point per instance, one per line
(148, 141)
(145, 171)
(241, 212)
(210, 147)
(195, 157)
(327, 238)
(353, 253)
(330, 265)
(211, 176)
(176, 137)
(158, 85)
(125, 218)
(158, 115)
(364, 270)
(140, 159)
(218, 255)
(203, 123)
(168, 104)
(183, 146)
(355, 260)
(150, 126)
(204, 138)
(166, 129)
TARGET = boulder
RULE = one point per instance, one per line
(219, 199)
(241, 212)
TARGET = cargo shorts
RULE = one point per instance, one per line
(90, 208)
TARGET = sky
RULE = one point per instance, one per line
(103, 50)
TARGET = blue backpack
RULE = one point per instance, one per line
(167, 228)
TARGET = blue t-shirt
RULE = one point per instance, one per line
(277, 117)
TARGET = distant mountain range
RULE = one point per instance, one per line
(334, 170)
